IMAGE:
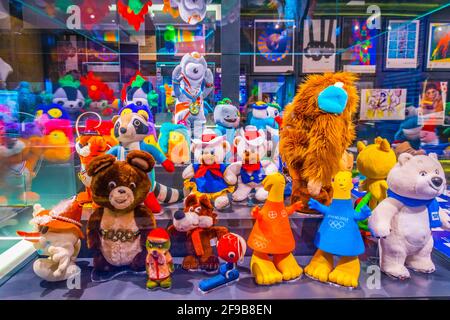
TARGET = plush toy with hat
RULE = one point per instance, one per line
(57, 238)
(264, 115)
(250, 169)
(317, 129)
(159, 263)
(207, 175)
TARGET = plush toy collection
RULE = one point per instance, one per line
(224, 166)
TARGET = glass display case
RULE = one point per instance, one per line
(80, 79)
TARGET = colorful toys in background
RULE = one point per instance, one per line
(231, 248)
(131, 128)
(56, 236)
(134, 12)
(175, 142)
(189, 11)
(317, 129)
(58, 139)
(159, 262)
(90, 144)
(403, 221)
(100, 94)
(121, 222)
(208, 174)
(71, 95)
(51, 111)
(272, 236)
(409, 130)
(198, 221)
(251, 169)
(139, 91)
(338, 235)
(374, 162)
(21, 149)
(192, 83)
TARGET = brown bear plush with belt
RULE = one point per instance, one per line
(197, 220)
(118, 229)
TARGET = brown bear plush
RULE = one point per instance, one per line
(317, 128)
(118, 229)
(198, 220)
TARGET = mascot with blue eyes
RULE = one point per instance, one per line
(190, 11)
(71, 95)
(131, 129)
(192, 83)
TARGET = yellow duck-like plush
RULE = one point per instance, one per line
(374, 162)
(338, 235)
(272, 235)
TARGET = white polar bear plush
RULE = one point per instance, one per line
(404, 219)
(251, 169)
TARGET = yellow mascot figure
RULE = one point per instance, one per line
(374, 162)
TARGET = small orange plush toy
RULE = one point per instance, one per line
(317, 128)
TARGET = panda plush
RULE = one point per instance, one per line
(71, 95)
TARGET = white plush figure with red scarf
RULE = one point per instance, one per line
(250, 169)
(192, 83)
(208, 174)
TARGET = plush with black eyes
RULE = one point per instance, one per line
(118, 229)
(198, 221)
(70, 95)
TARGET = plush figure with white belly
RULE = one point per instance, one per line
(404, 219)
(250, 169)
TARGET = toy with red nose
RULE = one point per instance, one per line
(231, 248)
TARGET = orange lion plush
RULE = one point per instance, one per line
(317, 128)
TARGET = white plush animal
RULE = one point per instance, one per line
(57, 236)
(404, 219)
(250, 169)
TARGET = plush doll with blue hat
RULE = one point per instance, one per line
(261, 116)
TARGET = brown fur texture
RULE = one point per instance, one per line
(206, 260)
(131, 174)
(312, 141)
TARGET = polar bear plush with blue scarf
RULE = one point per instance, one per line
(404, 219)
